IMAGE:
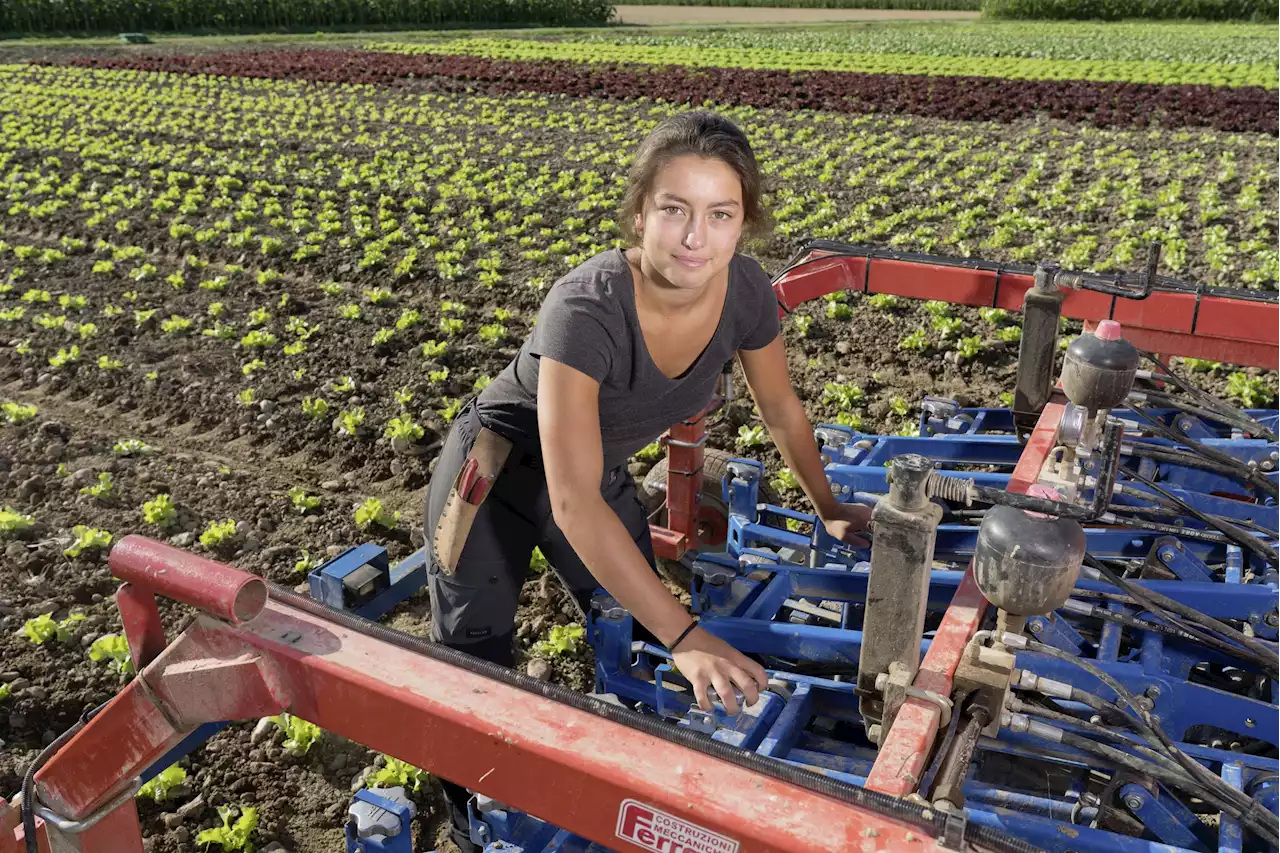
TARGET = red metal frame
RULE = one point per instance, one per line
(1206, 326)
(564, 765)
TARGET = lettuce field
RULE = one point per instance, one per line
(245, 287)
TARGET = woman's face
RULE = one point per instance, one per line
(692, 220)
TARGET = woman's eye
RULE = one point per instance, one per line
(672, 209)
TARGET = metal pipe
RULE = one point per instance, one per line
(217, 589)
(955, 765)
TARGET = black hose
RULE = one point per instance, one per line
(1172, 529)
(1165, 606)
(1228, 529)
(1231, 412)
(1180, 633)
(1158, 452)
(1173, 779)
(1246, 472)
(1097, 732)
(1246, 809)
(1245, 424)
(29, 779)
(872, 801)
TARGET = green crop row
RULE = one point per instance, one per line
(1213, 74)
(49, 16)
(930, 5)
(1075, 40)
(1114, 10)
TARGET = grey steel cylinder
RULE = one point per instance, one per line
(1027, 563)
(904, 526)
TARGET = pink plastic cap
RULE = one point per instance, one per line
(1108, 330)
(1040, 490)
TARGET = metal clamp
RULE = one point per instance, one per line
(63, 824)
(954, 823)
(944, 703)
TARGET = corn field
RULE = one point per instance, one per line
(1114, 10)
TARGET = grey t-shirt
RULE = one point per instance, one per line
(588, 321)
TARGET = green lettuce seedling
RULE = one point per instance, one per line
(299, 734)
(131, 447)
(13, 522)
(372, 512)
(402, 426)
(113, 647)
(563, 640)
(16, 413)
(41, 628)
(160, 511)
(87, 539)
(230, 836)
(158, 788)
(396, 772)
(302, 502)
(218, 532)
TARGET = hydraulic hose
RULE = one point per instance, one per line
(29, 779)
(1166, 606)
(1248, 810)
(884, 805)
(1252, 476)
(1231, 412)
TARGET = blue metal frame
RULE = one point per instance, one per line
(781, 564)
(395, 583)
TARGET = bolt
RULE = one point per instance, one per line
(1185, 424)
(1253, 618)
(1153, 692)
(869, 832)
(1250, 722)
(1268, 465)
(911, 836)
(1168, 555)
(1035, 626)
(1145, 704)
(1272, 619)
(1133, 801)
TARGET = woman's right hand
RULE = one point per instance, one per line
(708, 661)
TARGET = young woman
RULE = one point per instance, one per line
(625, 345)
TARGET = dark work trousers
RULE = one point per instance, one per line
(474, 609)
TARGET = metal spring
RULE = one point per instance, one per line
(950, 488)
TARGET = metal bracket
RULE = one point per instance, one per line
(72, 827)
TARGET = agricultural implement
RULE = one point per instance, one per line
(1062, 638)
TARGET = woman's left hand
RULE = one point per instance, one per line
(845, 520)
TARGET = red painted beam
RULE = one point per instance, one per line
(1223, 329)
(905, 749)
(589, 775)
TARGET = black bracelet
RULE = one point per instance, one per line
(692, 625)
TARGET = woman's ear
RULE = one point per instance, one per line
(639, 223)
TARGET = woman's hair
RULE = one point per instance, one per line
(704, 134)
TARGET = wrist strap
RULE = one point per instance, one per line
(692, 625)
